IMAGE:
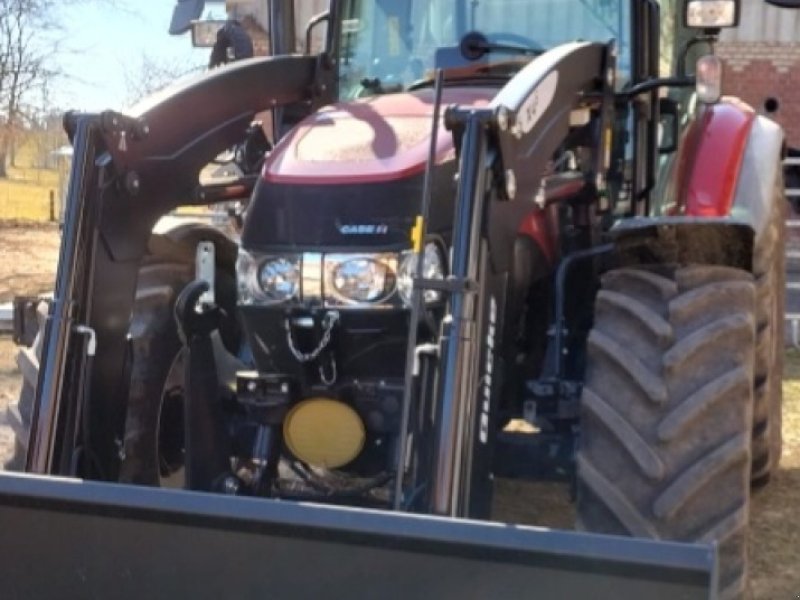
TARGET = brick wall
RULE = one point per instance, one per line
(760, 71)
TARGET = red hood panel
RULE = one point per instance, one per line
(376, 139)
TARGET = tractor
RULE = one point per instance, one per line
(464, 216)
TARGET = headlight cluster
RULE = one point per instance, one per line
(380, 280)
(432, 268)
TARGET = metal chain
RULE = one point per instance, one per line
(334, 375)
(328, 322)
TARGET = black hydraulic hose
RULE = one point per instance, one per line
(417, 298)
(561, 281)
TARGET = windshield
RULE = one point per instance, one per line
(387, 45)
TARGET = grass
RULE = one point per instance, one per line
(25, 194)
(24, 201)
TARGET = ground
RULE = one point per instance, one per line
(29, 256)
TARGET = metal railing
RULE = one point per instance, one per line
(792, 287)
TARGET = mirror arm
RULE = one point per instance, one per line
(649, 85)
(312, 23)
(708, 37)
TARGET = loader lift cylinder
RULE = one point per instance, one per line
(537, 128)
(52, 385)
(459, 343)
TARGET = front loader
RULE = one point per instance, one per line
(475, 215)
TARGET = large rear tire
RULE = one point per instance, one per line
(666, 416)
(770, 271)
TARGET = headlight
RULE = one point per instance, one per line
(279, 278)
(432, 268)
(267, 280)
(360, 279)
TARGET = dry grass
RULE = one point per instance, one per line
(28, 201)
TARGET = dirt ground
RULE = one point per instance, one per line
(28, 256)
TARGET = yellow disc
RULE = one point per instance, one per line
(324, 433)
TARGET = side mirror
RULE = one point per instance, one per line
(204, 33)
(668, 125)
(711, 14)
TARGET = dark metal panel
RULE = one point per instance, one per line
(192, 121)
(537, 103)
(183, 14)
(70, 539)
(282, 27)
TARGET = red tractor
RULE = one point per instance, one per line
(468, 219)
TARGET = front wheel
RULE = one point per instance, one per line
(666, 414)
(154, 421)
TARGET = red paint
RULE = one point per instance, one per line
(536, 226)
(710, 165)
(383, 138)
(541, 225)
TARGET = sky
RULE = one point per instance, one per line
(104, 42)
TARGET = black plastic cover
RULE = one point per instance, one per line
(183, 14)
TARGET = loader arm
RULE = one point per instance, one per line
(504, 150)
(127, 172)
(151, 543)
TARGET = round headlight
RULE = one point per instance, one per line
(279, 278)
(363, 280)
(432, 268)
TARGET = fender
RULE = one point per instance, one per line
(761, 173)
(722, 188)
(715, 147)
(728, 165)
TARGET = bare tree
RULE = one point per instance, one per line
(154, 74)
(29, 37)
(23, 65)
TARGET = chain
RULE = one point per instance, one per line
(328, 322)
(324, 378)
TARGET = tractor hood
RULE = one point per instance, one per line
(350, 176)
(381, 138)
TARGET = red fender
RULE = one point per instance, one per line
(537, 226)
(711, 159)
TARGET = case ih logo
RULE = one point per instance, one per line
(361, 229)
